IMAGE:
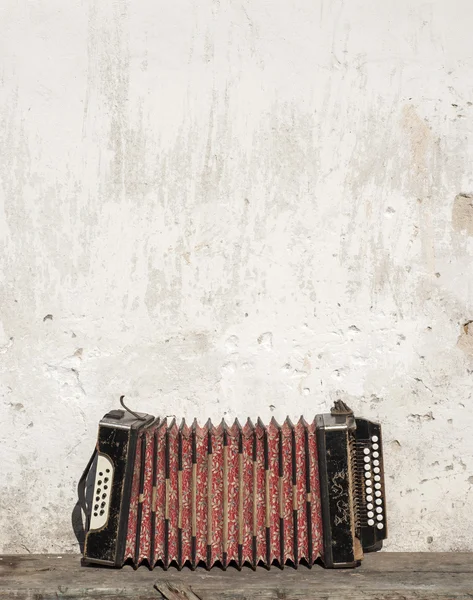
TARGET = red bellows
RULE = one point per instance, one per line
(244, 494)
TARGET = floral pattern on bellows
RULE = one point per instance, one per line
(202, 495)
(287, 495)
(260, 495)
(301, 492)
(248, 490)
(172, 494)
(160, 494)
(233, 493)
(217, 495)
(186, 510)
(145, 536)
(214, 527)
(273, 455)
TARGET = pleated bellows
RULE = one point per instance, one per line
(229, 493)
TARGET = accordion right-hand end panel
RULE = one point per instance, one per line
(342, 548)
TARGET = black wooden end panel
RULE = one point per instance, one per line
(105, 544)
(340, 514)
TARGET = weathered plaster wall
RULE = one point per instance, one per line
(232, 208)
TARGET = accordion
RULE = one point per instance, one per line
(293, 494)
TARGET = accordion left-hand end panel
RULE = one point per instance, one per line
(109, 498)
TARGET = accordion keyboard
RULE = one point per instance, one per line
(370, 484)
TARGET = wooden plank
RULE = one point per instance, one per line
(175, 591)
(382, 576)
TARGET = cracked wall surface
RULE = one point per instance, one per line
(230, 209)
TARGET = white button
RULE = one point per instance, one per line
(369, 490)
(377, 478)
(378, 501)
(376, 469)
(370, 522)
(366, 450)
(370, 514)
(376, 463)
(367, 459)
(367, 467)
(377, 486)
(379, 517)
(380, 526)
(369, 483)
(369, 506)
(375, 446)
(374, 438)
(379, 509)
(367, 476)
(378, 494)
(369, 498)
(375, 454)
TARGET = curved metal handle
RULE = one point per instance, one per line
(136, 415)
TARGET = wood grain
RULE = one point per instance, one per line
(382, 576)
(175, 591)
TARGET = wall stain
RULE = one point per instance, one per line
(465, 339)
(462, 213)
(420, 137)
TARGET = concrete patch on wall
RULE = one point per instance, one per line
(462, 213)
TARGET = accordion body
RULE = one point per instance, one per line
(254, 494)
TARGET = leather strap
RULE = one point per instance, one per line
(81, 487)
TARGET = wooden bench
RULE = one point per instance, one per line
(382, 576)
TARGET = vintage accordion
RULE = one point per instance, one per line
(167, 494)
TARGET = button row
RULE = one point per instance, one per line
(372, 470)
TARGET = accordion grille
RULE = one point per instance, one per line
(225, 494)
(356, 475)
